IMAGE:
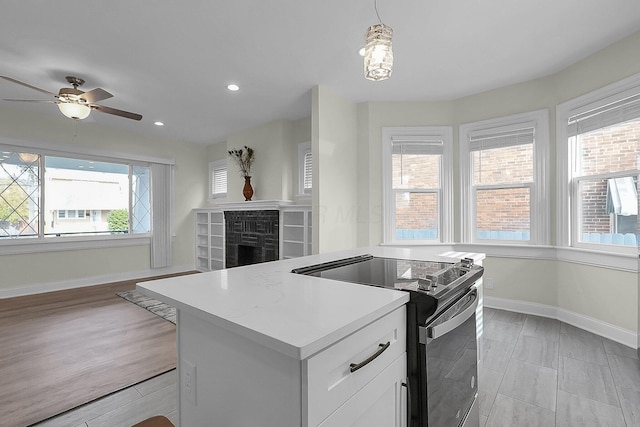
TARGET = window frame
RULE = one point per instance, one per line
(214, 166)
(539, 209)
(304, 148)
(40, 244)
(445, 208)
(567, 192)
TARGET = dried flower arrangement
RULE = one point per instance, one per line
(244, 159)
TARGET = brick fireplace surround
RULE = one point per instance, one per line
(251, 236)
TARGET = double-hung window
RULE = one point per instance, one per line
(417, 176)
(599, 146)
(503, 175)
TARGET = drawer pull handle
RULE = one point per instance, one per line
(382, 347)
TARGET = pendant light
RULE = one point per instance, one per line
(378, 52)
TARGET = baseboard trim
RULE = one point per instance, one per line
(39, 288)
(604, 329)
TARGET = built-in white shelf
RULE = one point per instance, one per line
(294, 231)
(209, 239)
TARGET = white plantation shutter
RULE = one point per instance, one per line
(219, 181)
(305, 169)
(308, 171)
(218, 178)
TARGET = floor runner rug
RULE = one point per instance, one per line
(158, 308)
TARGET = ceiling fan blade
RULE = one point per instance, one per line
(96, 95)
(29, 86)
(116, 112)
(32, 100)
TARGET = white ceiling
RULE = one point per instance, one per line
(171, 60)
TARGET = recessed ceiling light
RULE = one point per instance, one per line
(158, 123)
(233, 87)
(361, 51)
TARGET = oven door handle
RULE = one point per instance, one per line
(454, 322)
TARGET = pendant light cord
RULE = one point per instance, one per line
(375, 6)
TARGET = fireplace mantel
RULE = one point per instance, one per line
(255, 205)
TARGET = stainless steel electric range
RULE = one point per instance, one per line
(441, 331)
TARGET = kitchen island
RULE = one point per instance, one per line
(259, 345)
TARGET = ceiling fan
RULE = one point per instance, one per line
(75, 103)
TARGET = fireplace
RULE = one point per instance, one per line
(251, 237)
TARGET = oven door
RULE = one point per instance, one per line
(448, 349)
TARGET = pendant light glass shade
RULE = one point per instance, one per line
(74, 110)
(378, 52)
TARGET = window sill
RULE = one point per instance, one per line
(416, 243)
(55, 244)
(218, 198)
(615, 261)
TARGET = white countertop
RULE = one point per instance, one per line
(294, 314)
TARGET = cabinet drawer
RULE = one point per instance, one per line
(328, 375)
(380, 403)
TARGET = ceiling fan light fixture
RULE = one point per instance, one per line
(74, 110)
(378, 52)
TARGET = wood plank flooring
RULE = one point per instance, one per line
(62, 349)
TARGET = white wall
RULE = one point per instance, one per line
(275, 172)
(335, 175)
(271, 170)
(34, 272)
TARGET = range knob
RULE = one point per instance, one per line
(429, 283)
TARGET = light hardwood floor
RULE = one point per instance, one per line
(62, 349)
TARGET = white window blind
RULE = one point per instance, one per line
(416, 145)
(616, 112)
(485, 140)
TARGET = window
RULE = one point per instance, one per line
(305, 169)
(218, 179)
(71, 214)
(417, 165)
(599, 142)
(46, 196)
(503, 174)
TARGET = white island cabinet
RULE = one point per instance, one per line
(261, 346)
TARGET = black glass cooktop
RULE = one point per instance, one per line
(394, 273)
